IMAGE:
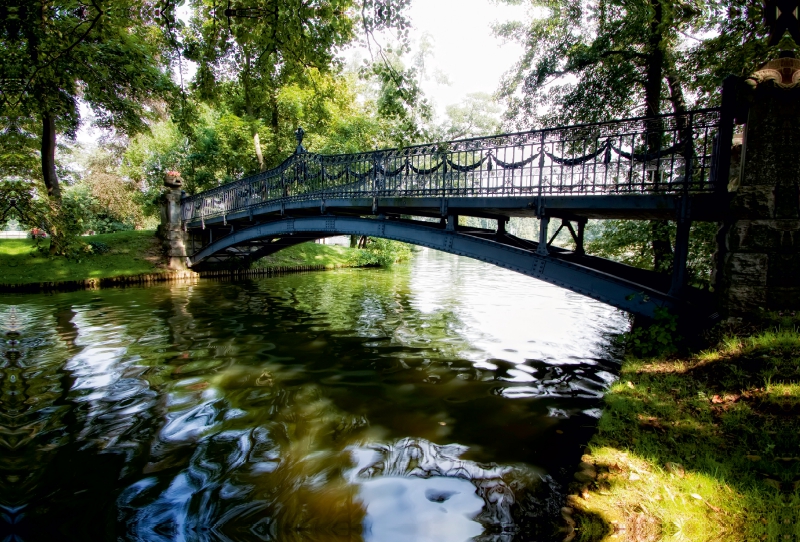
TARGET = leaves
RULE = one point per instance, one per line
(586, 62)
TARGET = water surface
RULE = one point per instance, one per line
(443, 400)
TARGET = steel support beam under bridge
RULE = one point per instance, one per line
(555, 268)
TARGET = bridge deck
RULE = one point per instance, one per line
(704, 207)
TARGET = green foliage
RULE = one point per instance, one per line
(99, 247)
(55, 52)
(307, 254)
(629, 242)
(218, 147)
(90, 214)
(478, 115)
(150, 155)
(400, 98)
(625, 241)
(656, 337)
(62, 220)
(380, 253)
(591, 61)
(67, 220)
(278, 71)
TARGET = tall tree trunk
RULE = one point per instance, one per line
(248, 106)
(49, 157)
(257, 145)
(659, 229)
(662, 246)
(675, 89)
(655, 63)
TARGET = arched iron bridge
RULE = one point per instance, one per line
(665, 168)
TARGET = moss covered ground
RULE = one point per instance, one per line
(699, 447)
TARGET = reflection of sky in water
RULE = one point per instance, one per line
(311, 401)
(414, 489)
(420, 510)
(511, 316)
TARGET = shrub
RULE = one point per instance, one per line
(380, 253)
(98, 247)
(656, 337)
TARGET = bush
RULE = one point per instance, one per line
(98, 247)
(380, 253)
(96, 214)
(656, 337)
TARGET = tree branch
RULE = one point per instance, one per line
(626, 54)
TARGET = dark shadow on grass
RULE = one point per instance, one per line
(730, 416)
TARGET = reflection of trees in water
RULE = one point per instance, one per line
(270, 472)
(32, 425)
(278, 471)
(252, 451)
(75, 416)
(243, 454)
(232, 411)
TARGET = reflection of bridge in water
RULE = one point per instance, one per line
(662, 168)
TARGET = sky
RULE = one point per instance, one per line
(463, 49)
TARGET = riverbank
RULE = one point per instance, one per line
(700, 447)
(134, 257)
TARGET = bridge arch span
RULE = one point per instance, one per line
(552, 268)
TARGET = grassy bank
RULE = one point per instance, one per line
(135, 253)
(307, 254)
(703, 447)
(126, 253)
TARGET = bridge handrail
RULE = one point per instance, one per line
(671, 153)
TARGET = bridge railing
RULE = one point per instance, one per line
(665, 154)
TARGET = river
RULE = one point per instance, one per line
(442, 400)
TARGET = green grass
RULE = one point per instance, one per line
(308, 254)
(706, 447)
(131, 253)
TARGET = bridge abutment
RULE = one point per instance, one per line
(758, 264)
(173, 238)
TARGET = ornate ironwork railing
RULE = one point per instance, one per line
(661, 155)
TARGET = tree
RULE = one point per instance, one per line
(596, 61)
(619, 58)
(112, 203)
(266, 48)
(478, 115)
(57, 52)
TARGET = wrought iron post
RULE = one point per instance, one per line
(501, 227)
(544, 222)
(540, 206)
(578, 237)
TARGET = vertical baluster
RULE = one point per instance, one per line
(541, 165)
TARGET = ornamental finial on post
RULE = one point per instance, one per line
(782, 16)
(298, 135)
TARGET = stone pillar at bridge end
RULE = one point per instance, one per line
(759, 256)
(173, 238)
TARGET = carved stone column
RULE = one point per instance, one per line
(170, 231)
(760, 267)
